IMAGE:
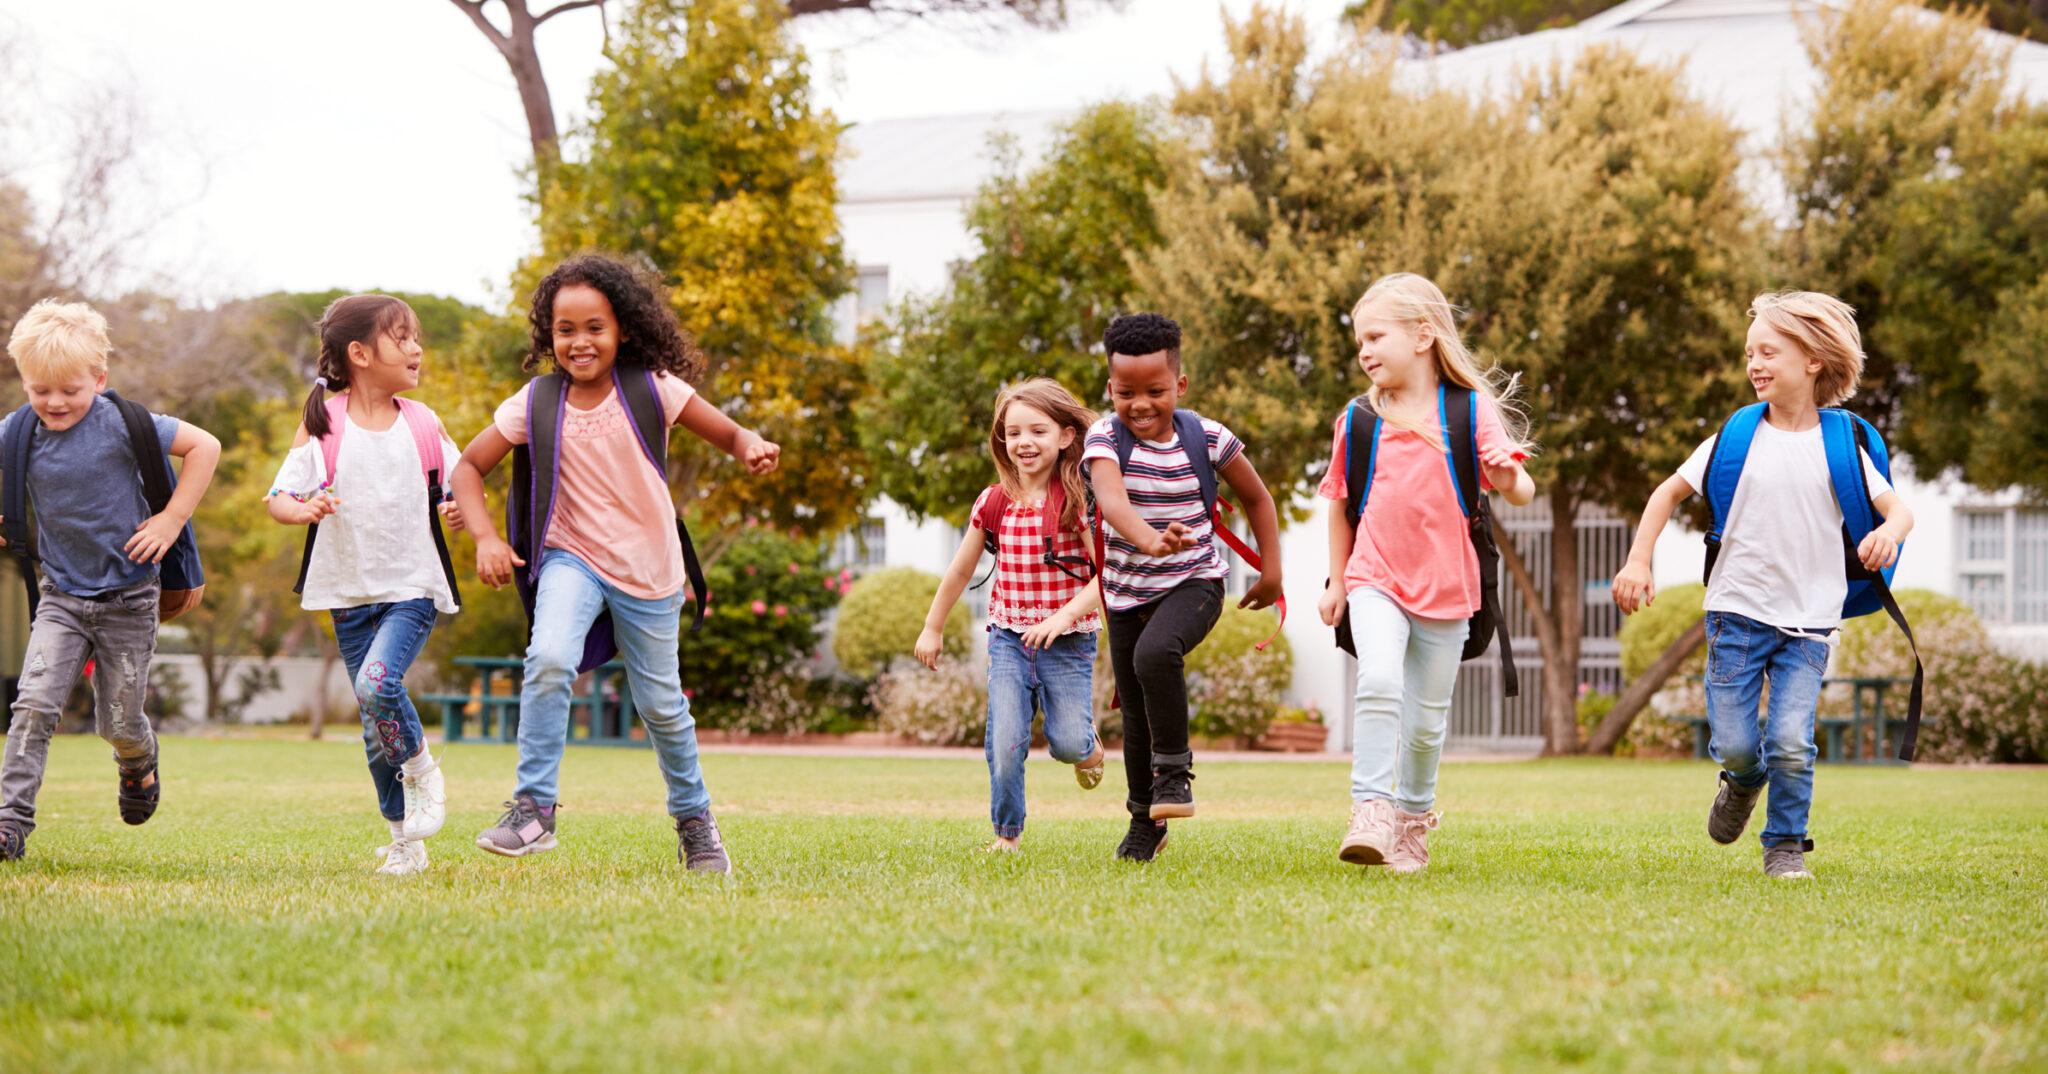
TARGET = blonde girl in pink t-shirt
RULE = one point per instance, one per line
(608, 541)
(1406, 570)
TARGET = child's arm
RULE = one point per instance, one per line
(155, 535)
(714, 428)
(494, 558)
(1880, 547)
(1343, 536)
(1634, 587)
(958, 573)
(1052, 626)
(1507, 476)
(1258, 507)
(1115, 505)
(294, 512)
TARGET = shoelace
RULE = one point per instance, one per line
(517, 813)
(700, 837)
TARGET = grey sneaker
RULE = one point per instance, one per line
(1732, 806)
(524, 829)
(1787, 860)
(698, 846)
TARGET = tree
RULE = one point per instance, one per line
(1592, 222)
(1049, 273)
(515, 41)
(1470, 22)
(705, 159)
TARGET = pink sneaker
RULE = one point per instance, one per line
(1411, 849)
(1373, 833)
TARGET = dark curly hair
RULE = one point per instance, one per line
(1143, 333)
(648, 333)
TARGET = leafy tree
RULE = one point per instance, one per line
(1033, 301)
(1457, 23)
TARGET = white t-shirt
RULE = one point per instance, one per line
(378, 548)
(1781, 547)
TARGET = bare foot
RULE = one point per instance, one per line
(1001, 846)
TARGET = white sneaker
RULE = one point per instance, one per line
(403, 857)
(426, 803)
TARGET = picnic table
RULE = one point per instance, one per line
(1842, 739)
(602, 710)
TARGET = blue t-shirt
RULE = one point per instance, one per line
(85, 491)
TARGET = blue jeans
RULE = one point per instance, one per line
(1059, 680)
(1407, 669)
(1741, 653)
(567, 601)
(378, 644)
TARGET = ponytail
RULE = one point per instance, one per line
(352, 319)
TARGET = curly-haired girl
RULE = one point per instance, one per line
(603, 536)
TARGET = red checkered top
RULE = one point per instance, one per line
(1027, 589)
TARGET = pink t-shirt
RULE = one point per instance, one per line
(612, 510)
(1412, 542)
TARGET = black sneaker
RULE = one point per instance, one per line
(1732, 806)
(1144, 841)
(13, 841)
(698, 846)
(1172, 792)
(139, 792)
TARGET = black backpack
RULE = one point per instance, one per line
(530, 502)
(1458, 415)
(180, 568)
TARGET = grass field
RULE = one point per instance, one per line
(1576, 917)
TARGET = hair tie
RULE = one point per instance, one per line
(321, 381)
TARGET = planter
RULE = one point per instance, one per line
(1293, 737)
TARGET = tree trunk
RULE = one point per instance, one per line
(515, 44)
(1634, 699)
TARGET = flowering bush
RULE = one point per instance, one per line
(767, 596)
(1234, 689)
(1985, 706)
(946, 707)
(882, 616)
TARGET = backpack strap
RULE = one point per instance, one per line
(20, 536)
(1360, 422)
(1458, 411)
(426, 439)
(989, 520)
(337, 426)
(546, 403)
(1194, 443)
(1846, 437)
(150, 464)
(642, 400)
(1724, 473)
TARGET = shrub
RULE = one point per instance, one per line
(1874, 647)
(1984, 705)
(882, 616)
(1234, 689)
(1649, 632)
(768, 593)
(943, 707)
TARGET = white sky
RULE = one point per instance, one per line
(297, 147)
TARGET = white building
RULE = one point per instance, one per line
(907, 182)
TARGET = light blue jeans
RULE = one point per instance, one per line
(1407, 668)
(1741, 654)
(378, 644)
(566, 603)
(1058, 680)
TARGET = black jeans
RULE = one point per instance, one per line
(1148, 646)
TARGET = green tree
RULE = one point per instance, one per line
(1457, 23)
(705, 158)
(1049, 272)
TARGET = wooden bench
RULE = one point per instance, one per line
(1842, 738)
(602, 720)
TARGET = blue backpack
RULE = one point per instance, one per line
(1843, 434)
(179, 570)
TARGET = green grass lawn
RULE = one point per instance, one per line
(1576, 917)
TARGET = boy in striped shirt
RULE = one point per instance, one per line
(1163, 574)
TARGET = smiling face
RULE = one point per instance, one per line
(1394, 353)
(586, 333)
(1033, 440)
(388, 361)
(61, 402)
(1145, 389)
(1778, 367)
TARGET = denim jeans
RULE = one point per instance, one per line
(119, 631)
(378, 644)
(1057, 680)
(567, 601)
(1407, 668)
(1741, 654)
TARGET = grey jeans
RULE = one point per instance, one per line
(119, 633)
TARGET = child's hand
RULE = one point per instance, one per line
(760, 455)
(451, 513)
(153, 537)
(1634, 588)
(3, 540)
(1175, 537)
(495, 561)
(1500, 467)
(1331, 606)
(322, 504)
(1878, 550)
(1047, 631)
(929, 643)
(1264, 592)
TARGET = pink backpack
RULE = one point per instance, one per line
(426, 438)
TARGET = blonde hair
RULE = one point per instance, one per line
(1050, 398)
(1825, 328)
(55, 341)
(1415, 300)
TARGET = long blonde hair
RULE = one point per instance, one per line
(1048, 397)
(1415, 300)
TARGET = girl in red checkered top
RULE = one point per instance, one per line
(1043, 611)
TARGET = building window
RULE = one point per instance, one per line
(862, 547)
(2002, 563)
(868, 300)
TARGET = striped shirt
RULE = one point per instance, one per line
(1027, 589)
(1162, 485)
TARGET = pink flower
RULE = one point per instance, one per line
(760, 608)
(794, 569)
(846, 576)
(781, 610)
(832, 582)
(750, 570)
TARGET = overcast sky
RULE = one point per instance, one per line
(302, 145)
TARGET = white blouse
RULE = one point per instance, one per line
(378, 546)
